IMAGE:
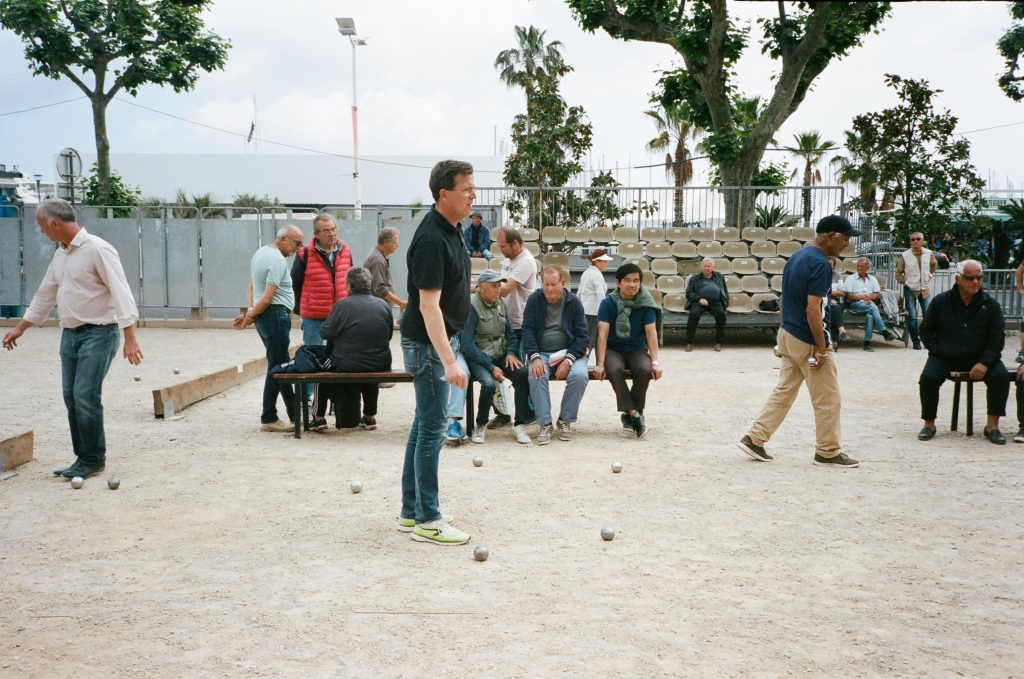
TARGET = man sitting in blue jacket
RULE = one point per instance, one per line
(477, 237)
(555, 331)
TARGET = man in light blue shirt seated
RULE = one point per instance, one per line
(863, 294)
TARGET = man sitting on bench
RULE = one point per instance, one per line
(963, 330)
(359, 330)
(864, 294)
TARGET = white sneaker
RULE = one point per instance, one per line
(439, 533)
(544, 435)
(478, 433)
(519, 431)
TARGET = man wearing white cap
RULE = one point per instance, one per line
(593, 289)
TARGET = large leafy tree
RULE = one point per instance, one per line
(810, 148)
(861, 169)
(673, 130)
(1011, 47)
(802, 37)
(550, 139)
(921, 166)
(106, 46)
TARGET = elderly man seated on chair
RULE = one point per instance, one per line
(863, 294)
(963, 330)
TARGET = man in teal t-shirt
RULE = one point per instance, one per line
(271, 301)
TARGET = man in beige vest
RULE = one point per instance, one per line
(915, 270)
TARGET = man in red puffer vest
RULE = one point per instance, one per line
(318, 277)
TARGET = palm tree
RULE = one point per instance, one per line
(673, 129)
(859, 170)
(533, 61)
(811, 148)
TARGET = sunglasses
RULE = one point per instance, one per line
(970, 278)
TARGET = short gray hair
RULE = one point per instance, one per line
(387, 235)
(707, 259)
(287, 229)
(55, 208)
(358, 279)
(864, 259)
(322, 217)
(961, 267)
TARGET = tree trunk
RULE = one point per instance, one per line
(739, 200)
(805, 196)
(679, 195)
(99, 121)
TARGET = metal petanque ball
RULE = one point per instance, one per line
(616, 467)
(113, 483)
(138, 378)
(481, 553)
(607, 534)
(357, 487)
(177, 371)
(478, 461)
(77, 482)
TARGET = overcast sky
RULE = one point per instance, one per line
(427, 84)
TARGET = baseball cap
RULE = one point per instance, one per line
(475, 214)
(491, 276)
(599, 255)
(837, 224)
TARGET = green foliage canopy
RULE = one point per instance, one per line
(1011, 47)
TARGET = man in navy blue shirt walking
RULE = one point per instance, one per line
(805, 347)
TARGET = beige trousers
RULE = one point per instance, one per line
(822, 386)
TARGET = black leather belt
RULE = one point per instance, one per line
(91, 326)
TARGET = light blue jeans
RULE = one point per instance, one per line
(575, 385)
(910, 301)
(426, 436)
(311, 338)
(872, 317)
(85, 357)
(456, 396)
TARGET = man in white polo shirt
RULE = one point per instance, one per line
(86, 281)
(863, 293)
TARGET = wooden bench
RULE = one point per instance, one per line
(301, 380)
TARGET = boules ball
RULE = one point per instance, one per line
(77, 482)
(138, 378)
(357, 487)
(177, 371)
(478, 461)
(113, 483)
(607, 534)
(481, 553)
(616, 467)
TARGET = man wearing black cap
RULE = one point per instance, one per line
(478, 238)
(804, 345)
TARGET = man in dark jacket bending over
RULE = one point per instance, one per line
(555, 331)
(964, 331)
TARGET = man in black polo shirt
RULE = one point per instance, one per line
(438, 309)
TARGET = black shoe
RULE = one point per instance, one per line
(867, 346)
(638, 425)
(499, 421)
(627, 424)
(926, 434)
(917, 345)
(890, 335)
(753, 450)
(841, 460)
(318, 424)
(369, 422)
(60, 472)
(995, 436)
(83, 469)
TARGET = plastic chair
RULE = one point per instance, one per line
(670, 284)
(652, 233)
(577, 234)
(684, 249)
(779, 234)
(739, 303)
(803, 233)
(787, 248)
(552, 235)
(756, 299)
(626, 234)
(664, 267)
(755, 283)
(659, 249)
(753, 234)
(723, 266)
(727, 234)
(773, 265)
(631, 250)
(702, 234)
(529, 234)
(675, 234)
(602, 234)
(710, 248)
(745, 266)
(675, 302)
(688, 267)
(733, 284)
(763, 249)
(736, 249)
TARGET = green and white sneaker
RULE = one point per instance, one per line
(405, 525)
(440, 533)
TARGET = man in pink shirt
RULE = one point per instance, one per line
(86, 282)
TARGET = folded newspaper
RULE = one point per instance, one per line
(557, 357)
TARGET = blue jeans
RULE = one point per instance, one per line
(872, 317)
(457, 397)
(423, 447)
(910, 301)
(311, 338)
(575, 385)
(274, 326)
(85, 357)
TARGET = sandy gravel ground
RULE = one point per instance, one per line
(231, 553)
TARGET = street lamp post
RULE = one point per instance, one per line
(347, 27)
(39, 194)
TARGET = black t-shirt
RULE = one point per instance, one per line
(437, 260)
